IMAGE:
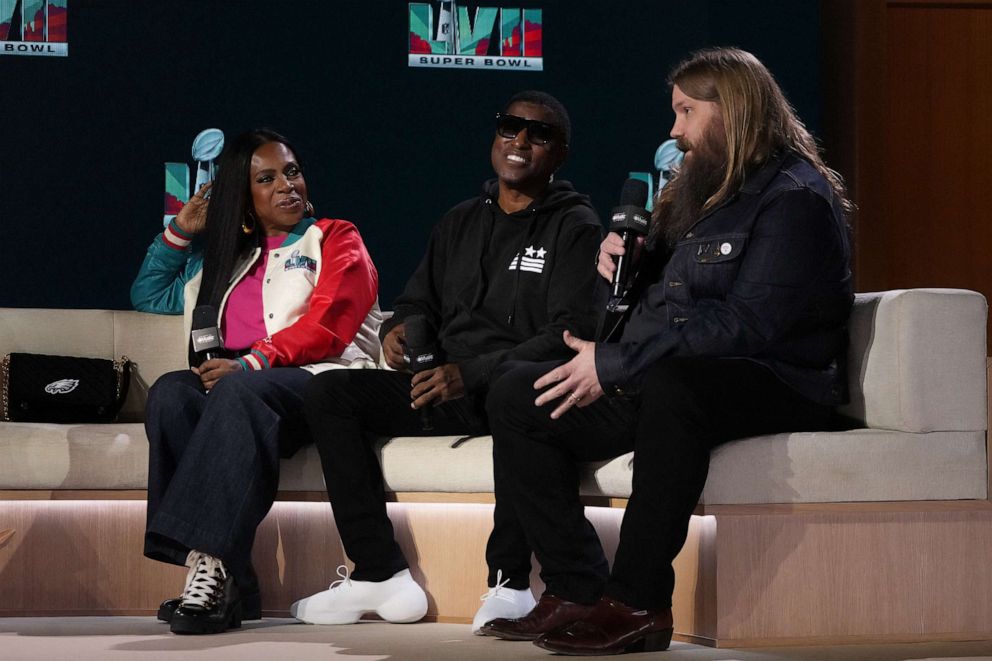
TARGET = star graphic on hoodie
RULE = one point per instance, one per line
(541, 253)
(530, 251)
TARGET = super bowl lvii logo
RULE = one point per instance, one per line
(33, 27)
(445, 34)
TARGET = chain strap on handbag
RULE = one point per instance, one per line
(4, 380)
(123, 369)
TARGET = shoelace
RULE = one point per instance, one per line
(494, 592)
(344, 580)
(204, 580)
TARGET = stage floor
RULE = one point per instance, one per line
(144, 638)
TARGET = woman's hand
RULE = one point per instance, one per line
(192, 218)
(577, 383)
(440, 384)
(211, 371)
(393, 345)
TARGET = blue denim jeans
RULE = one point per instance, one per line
(213, 466)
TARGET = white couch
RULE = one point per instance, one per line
(918, 384)
(917, 368)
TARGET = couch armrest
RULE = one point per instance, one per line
(917, 360)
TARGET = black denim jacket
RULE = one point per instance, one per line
(765, 276)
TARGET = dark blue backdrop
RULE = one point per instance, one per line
(388, 147)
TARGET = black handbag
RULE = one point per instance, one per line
(64, 389)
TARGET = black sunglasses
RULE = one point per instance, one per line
(538, 133)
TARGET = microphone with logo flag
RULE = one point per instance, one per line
(421, 354)
(206, 338)
(630, 220)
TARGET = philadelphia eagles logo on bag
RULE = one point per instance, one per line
(61, 386)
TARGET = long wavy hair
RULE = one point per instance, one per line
(231, 206)
(758, 120)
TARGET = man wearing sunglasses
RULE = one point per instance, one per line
(505, 274)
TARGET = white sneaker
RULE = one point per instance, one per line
(502, 601)
(398, 600)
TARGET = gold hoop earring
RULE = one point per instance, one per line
(309, 209)
(244, 223)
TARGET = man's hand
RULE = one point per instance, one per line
(611, 247)
(576, 381)
(192, 218)
(393, 346)
(440, 384)
(211, 371)
(609, 250)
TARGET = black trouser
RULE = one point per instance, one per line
(213, 460)
(686, 407)
(346, 410)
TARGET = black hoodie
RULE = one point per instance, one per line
(500, 286)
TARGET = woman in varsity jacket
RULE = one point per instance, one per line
(290, 296)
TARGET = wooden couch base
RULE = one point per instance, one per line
(83, 556)
(748, 575)
(832, 574)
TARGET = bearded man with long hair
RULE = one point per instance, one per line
(736, 327)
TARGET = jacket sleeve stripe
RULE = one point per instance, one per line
(175, 238)
(255, 360)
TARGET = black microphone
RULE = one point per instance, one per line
(421, 354)
(630, 220)
(206, 338)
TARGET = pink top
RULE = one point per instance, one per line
(244, 322)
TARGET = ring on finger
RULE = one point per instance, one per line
(574, 398)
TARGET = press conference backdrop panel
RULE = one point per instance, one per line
(389, 146)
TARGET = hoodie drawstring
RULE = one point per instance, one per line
(520, 256)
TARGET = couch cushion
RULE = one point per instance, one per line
(917, 360)
(409, 463)
(35, 455)
(86, 333)
(861, 465)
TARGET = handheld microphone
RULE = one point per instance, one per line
(630, 220)
(205, 336)
(421, 354)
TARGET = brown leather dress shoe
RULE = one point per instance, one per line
(549, 614)
(612, 627)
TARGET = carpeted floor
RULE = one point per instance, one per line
(144, 638)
